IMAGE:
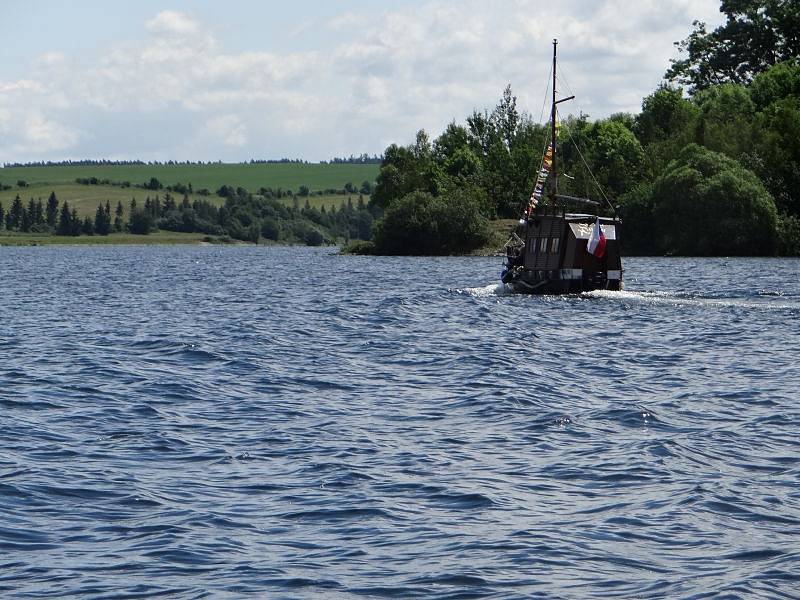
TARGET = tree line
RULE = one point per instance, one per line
(244, 216)
(361, 159)
(709, 169)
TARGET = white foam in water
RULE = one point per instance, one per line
(493, 289)
(675, 299)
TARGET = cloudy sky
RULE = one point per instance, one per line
(311, 79)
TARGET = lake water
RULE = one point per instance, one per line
(233, 421)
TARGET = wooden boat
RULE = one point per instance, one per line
(557, 252)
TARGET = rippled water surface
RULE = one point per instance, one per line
(206, 421)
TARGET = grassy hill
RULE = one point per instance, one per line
(288, 176)
(85, 198)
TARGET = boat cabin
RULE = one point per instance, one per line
(551, 255)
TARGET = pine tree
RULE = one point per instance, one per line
(25, 222)
(52, 209)
(102, 221)
(132, 213)
(87, 227)
(30, 215)
(38, 213)
(118, 223)
(14, 217)
(75, 222)
(2, 215)
(64, 221)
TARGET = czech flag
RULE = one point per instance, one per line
(597, 241)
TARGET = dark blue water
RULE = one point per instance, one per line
(206, 421)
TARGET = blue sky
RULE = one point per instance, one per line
(238, 79)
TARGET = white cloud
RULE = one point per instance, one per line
(382, 76)
(171, 22)
(228, 129)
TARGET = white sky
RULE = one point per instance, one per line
(240, 79)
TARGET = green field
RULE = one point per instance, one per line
(85, 198)
(288, 176)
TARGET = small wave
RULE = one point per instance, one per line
(487, 291)
(462, 501)
(454, 579)
(337, 515)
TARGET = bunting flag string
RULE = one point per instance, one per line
(541, 178)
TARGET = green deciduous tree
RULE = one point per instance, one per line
(777, 146)
(708, 204)
(756, 35)
(665, 126)
(778, 82)
(724, 122)
(421, 223)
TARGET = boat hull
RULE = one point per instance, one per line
(531, 282)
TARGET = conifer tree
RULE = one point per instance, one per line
(2, 215)
(25, 221)
(87, 227)
(118, 224)
(52, 209)
(31, 214)
(75, 222)
(38, 213)
(14, 217)
(64, 221)
(102, 220)
(132, 213)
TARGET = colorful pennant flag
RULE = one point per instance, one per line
(541, 177)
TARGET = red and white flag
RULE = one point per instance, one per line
(597, 241)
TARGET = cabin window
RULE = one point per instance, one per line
(554, 245)
(543, 245)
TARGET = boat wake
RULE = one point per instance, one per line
(684, 299)
(487, 291)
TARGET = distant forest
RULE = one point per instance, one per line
(710, 166)
(243, 216)
(362, 159)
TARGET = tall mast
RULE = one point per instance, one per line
(553, 172)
